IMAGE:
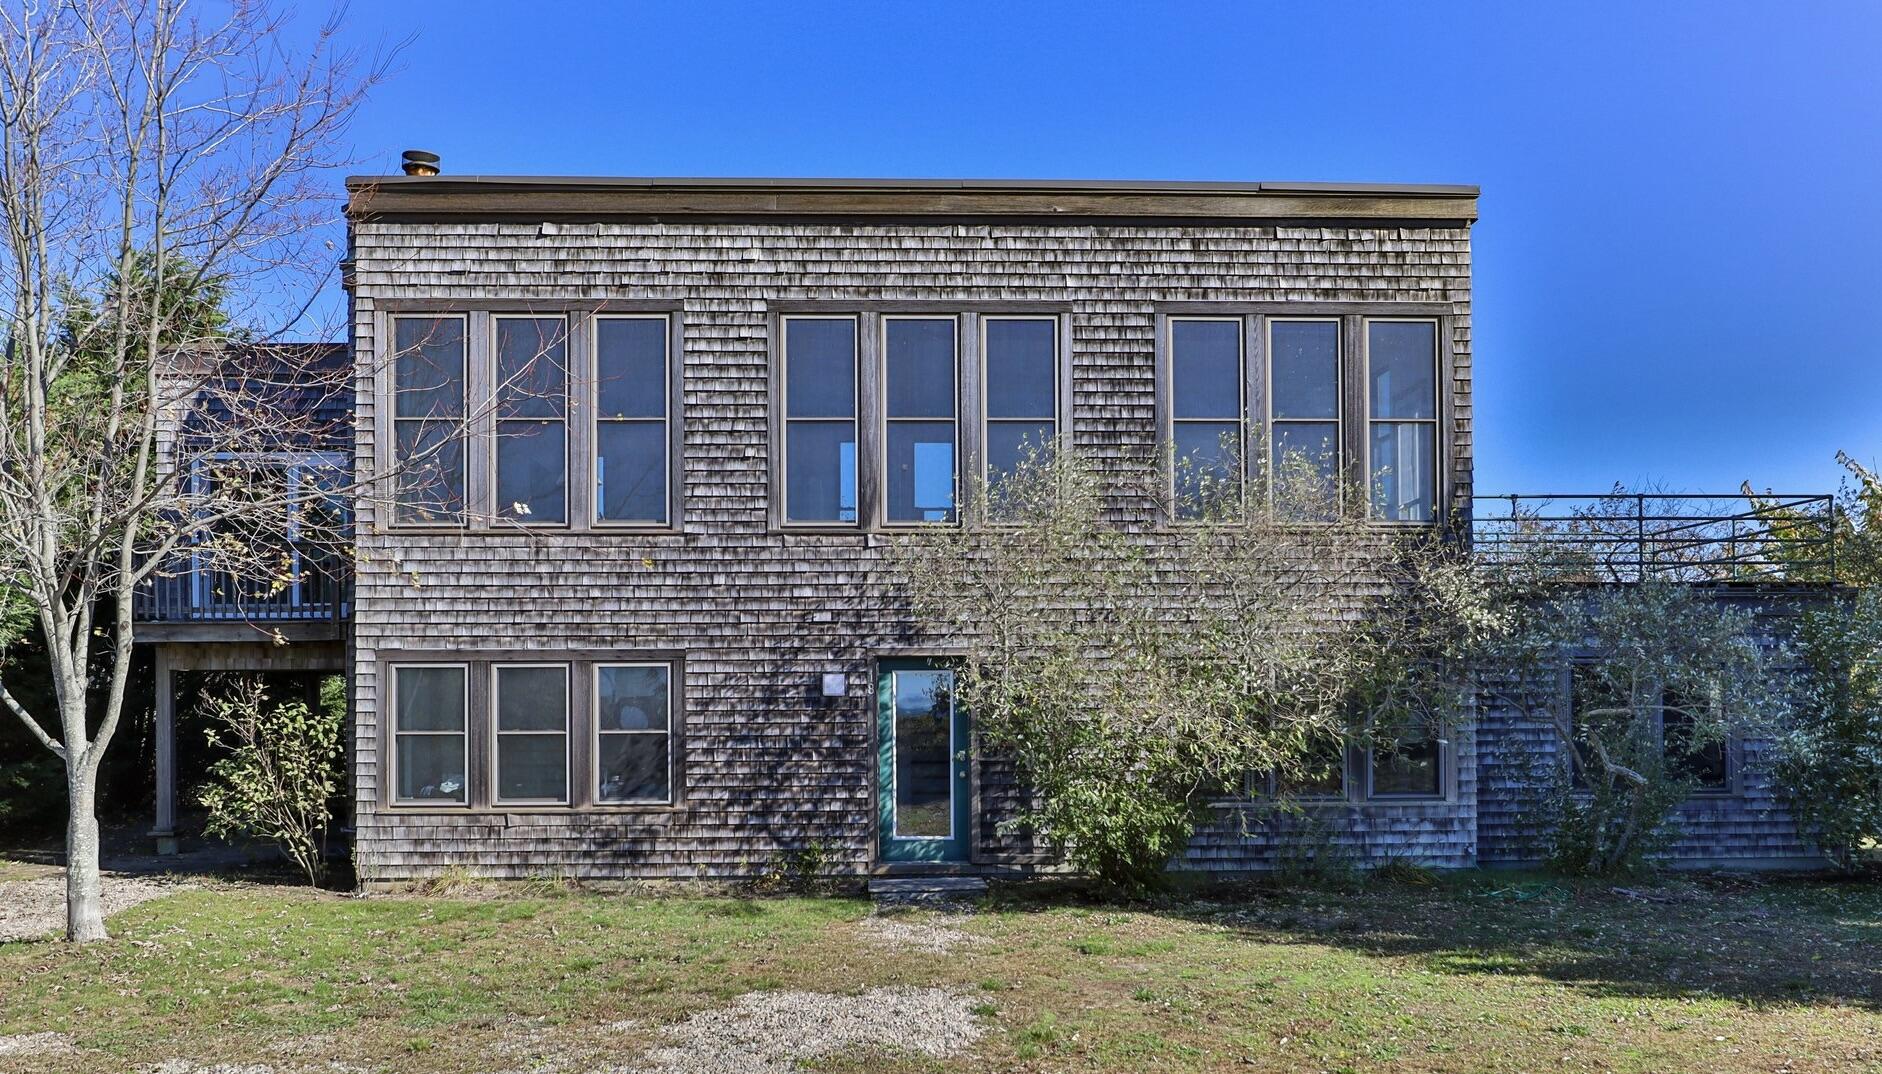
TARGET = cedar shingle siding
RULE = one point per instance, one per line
(767, 764)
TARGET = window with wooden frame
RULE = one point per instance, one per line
(1407, 762)
(531, 740)
(633, 391)
(633, 721)
(1020, 371)
(1305, 467)
(1402, 418)
(430, 734)
(531, 395)
(1208, 414)
(429, 409)
(1707, 763)
(921, 433)
(820, 382)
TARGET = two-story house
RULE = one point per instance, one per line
(640, 443)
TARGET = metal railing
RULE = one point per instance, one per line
(1629, 536)
(190, 591)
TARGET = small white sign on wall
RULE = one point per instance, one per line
(835, 684)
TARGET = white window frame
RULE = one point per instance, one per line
(596, 421)
(596, 732)
(785, 420)
(497, 734)
(884, 422)
(986, 389)
(1241, 388)
(464, 433)
(392, 739)
(499, 509)
(1435, 421)
(1269, 422)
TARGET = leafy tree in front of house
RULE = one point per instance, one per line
(1135, 674)
(1829, 761)
(1636, 684)
(281, 772)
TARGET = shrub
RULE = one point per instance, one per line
(1829, 762)
(281, 774)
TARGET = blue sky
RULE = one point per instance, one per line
(1677, 271)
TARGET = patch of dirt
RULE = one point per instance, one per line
(936, 935)
(35, 1044)
(772, 1032)
(34, 909)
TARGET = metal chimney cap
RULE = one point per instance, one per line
(419, 162)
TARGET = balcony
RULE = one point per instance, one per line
(191, 601)
(1689, 537)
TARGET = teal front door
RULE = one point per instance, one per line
(922, 785)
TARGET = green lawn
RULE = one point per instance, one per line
(1480, 972)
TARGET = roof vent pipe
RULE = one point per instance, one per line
(419, 162)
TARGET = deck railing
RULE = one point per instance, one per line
(191, 591)
(1696, 537)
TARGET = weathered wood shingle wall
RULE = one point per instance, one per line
(768, 765)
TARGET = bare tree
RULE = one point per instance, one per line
(164, 204)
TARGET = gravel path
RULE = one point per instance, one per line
(769, 1032)
(35, 1044)
(937, 935)
(35, 908)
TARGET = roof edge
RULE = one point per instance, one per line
(464, 183)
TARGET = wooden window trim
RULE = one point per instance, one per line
(675, 435)
(880, 521)
(496, 736)
(494, 378)
(1166, 396)
(1264, 325)
(593, 791)
(1061, 416)
(780, 509)
(392, 733)
(479, 423)
(1447, 759)
(1440, 421)
(480, 723)
(386, 400)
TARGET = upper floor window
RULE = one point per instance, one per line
(820, 419)
(1021, 359)
(1304, 466)
(1208, 413)
(429, 409)
(532, 419)
(921, 367)
(1402, 415)
(632, 389)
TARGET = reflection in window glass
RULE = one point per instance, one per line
(1206, 415)
(1022, 384)
(532, 733)
(428, 419)
(1407, 764)
(1304, 414)
(820, 419)
(633, 732)
(919, 441)
(428, 729)
(532, 412)
(924, 754)
(631, 431)
(1707, 762)
(1402, 389)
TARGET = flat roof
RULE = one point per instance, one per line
(549, 196)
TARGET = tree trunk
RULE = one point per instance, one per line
(84, 909)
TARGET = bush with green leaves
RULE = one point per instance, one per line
(1137, 674)
(1642, 659)
(1829, 762)
(281, 772)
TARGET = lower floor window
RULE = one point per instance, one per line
(430, 743)
(633, 733)
(500, 734)
(532, 733)
(1408, 763)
